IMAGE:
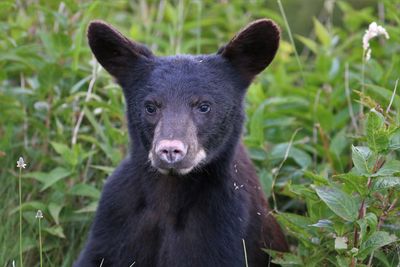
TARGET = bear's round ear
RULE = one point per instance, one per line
(116, 53)
(253, 48)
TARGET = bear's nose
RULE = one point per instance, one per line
(171, 151)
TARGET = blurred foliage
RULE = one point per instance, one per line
(65, 116)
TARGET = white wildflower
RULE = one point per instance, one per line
(39, 214)
(21, 163)
(373, 31)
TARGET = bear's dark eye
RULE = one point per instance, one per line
(204, 108)
(150, 109)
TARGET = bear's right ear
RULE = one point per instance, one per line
(121, 57)
(253, 48)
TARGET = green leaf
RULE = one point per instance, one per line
(342, 261)
(298, 225)
(316, 177)
(390, 168)
(302, 158)
(69, 155)
(382, 257)
(106, 169)
(55, 230)
(50, 178)
(303, 191)
(370, 220)
(85, 190)
(339, 202)
(266, 181)
(322, 33)
(363, 159)
(89, 208)
(354, 182)
(30, 206)
(377, 137)
(375, 241)
(386, 182)
(310, 44)
(55, 210)
(283, 258)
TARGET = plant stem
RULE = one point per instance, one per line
(291, 39)
(20, 217)
(40, 243)
(361, 212)
(275, 175)
(362, 83)
(245, 253)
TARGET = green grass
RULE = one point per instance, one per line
(66, 118)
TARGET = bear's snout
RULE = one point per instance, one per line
(171, 151)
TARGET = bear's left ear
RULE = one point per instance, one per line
(122, 58)
(253, 48)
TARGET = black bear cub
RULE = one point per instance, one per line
(187, 194)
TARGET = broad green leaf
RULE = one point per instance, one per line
(303, 191)
(354, 182)
(339, 143)
(89, 208)
(377, 137)
(298, 225)
(339, 202)
(390, 168)
(386, 182)
(266, 181)
(302, 158)
(257, 153)
(317, 209)
(283, 258)
(342, 261)
(341, 242)
(55, 210)
(375, 241)
(55, 230)
(316, 177)
(363, 159)
(50, 178)
(61, 149)
(310, 44)
(370, 220)
(322, 33)
(54, 176)
(85, 190)
(382, 257)
(68, 155)
(30, 206)
(106, 169)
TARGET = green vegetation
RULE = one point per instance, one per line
(323, 129)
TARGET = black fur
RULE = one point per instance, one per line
(197, 219)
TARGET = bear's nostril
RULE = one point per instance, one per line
(171, 151)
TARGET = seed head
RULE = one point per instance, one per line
(373, 31)
(21, 163)
(39, 214)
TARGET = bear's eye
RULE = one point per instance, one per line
(204, 108)
(151, 109)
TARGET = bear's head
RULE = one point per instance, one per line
(185, 111)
